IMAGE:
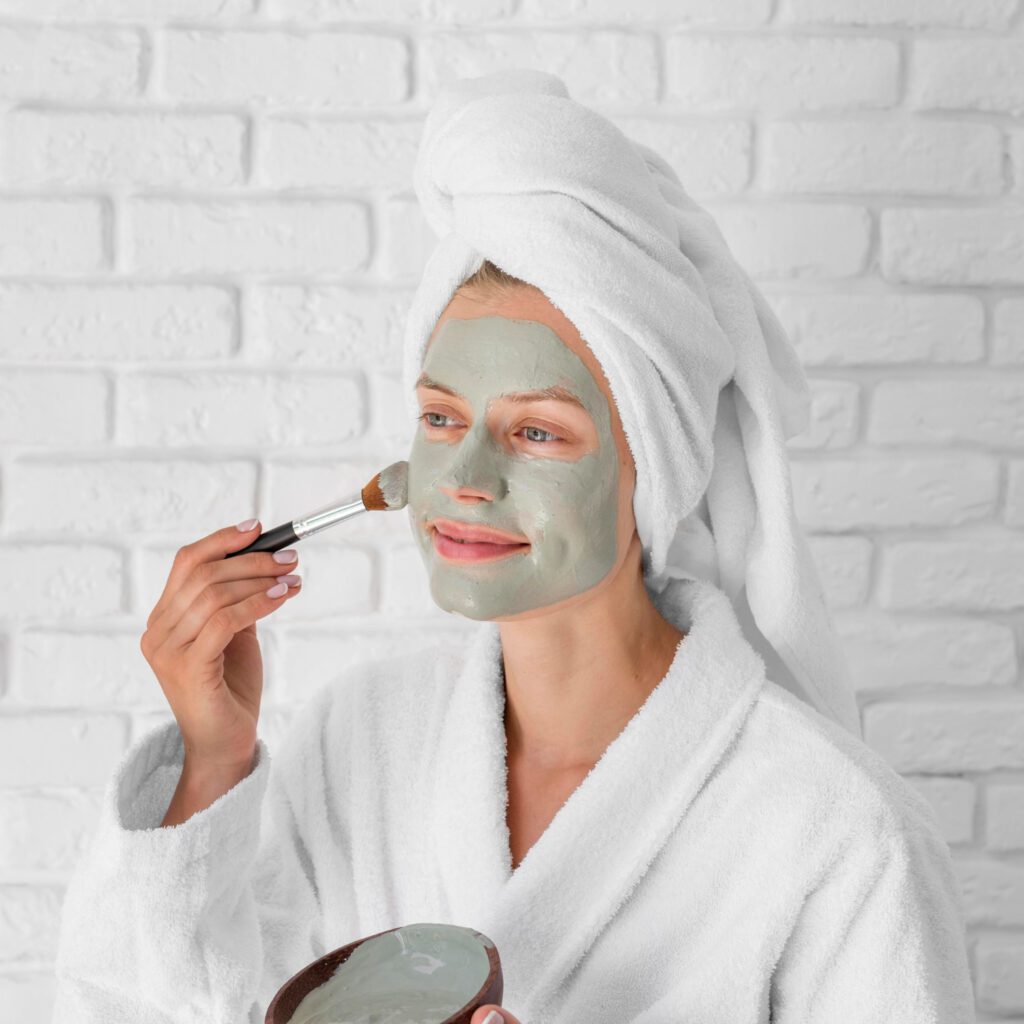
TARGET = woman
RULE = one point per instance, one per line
(604, 780)
(583, 644)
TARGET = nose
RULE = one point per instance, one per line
(475, 473)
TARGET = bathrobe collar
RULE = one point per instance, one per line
(545, 915)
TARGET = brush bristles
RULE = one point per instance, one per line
(388, 490)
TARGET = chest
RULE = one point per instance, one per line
(534, 798)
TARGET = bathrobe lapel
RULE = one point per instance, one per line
(546, 915)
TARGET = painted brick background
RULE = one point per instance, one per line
(208, 238)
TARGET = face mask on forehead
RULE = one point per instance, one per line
(524, 477)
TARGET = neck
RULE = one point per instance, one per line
(575, 674)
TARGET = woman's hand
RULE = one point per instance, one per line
(201, 643)
(479, 1016)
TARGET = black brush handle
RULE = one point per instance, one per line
(273, 540)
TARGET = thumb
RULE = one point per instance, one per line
(489, 1014)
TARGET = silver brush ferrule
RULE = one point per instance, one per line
(327, 517)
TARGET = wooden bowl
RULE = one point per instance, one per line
(313, 975)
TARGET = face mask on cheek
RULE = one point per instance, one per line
(564, 504)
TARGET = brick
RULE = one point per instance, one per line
(986, 412)
(305, 152)
(317, 71)
(834, 416)
(711, 156)
(745, 13)
(870, 493)
(963, 14)
(1015, 494)
(1004, 816)
(1000, 974)
(1008, 333)
(28, 996)
(888, 651)
(57, 581)
(50, 63)
(844, 566)
(29, 922)
(1015, 138)
(112, 148)
(184, 498)
(46, 830)
(900, 156)
(882, 329)
(35, 411)
(391, 424)
(962, 575)
(331, 326)
(953, 246)
(59, 669)
(795, 240)
(939, 736)
(597, 66)
(407, 240)
(953, 802)
(437, 12)
(967, 74)
(51, 236)
(240, 408)
(248, 235)
(993, 891)
(60, 749)
(129, 10)
(772, 73)
(135, 322)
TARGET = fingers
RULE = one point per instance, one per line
(212, 547)
(223, 624)
(217, 598)
(257, 566)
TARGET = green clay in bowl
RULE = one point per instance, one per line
(416, 974)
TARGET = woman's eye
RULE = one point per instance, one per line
(553, 437)
(426, 416)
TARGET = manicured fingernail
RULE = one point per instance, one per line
(247, 525)
(493, 1018)
(288, 555)
(291, 579)
(278, 590)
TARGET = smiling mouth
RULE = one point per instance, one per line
(472, 550)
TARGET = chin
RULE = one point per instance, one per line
(464, 603)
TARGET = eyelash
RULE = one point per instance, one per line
(421, 417)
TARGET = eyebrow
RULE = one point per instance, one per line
(555, 393)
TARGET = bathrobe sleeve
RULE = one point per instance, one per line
(201, 922)
(882, 938)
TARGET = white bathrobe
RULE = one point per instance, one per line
(733, 858)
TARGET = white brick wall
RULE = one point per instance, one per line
(208, 239)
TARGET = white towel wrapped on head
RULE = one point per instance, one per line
(707, 385)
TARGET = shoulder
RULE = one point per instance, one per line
(830, 777)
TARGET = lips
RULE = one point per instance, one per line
(480, 534)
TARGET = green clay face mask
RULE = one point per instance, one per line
(538, 487)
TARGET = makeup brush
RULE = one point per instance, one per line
(388, 491)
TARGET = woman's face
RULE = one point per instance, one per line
(553, 471)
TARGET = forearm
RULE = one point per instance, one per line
(200, 786)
